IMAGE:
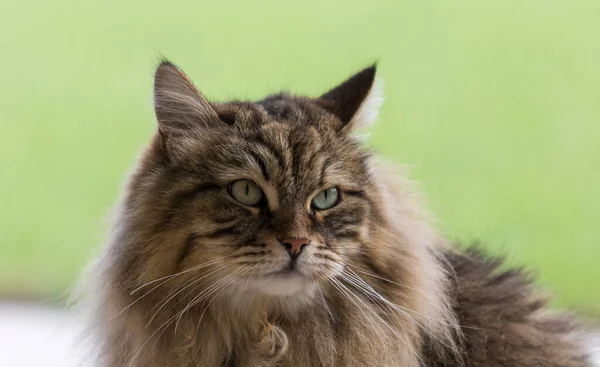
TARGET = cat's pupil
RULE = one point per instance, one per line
(247, 189)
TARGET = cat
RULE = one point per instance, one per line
(266, 234)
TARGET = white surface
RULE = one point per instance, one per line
(594, 346)
(33, 335)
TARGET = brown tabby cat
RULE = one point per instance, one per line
(264, 234)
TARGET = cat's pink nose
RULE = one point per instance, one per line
(294, 245)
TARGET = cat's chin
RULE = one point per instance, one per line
(284, 284)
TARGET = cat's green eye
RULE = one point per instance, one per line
(246, 192)
(326, 199)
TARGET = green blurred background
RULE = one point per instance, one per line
(494, 105)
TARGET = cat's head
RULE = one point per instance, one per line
(273, 196)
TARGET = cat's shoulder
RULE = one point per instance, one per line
(504, 320)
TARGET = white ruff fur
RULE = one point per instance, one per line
(283, 286)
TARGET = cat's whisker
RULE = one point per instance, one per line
(406, 312)
(326, 305)
(205, 293)
(194, 281)
(196, 267)
(319, 288)
(187, 282)
(178, 315)
(395, 306)
(190, 292)
(366, 288)
(361, 270)
(164, 281)
(242, 271)
(138, 299)
(362, 289)
(164, 326)
(361, 283)
(336, 283)
(182, 289)
(384, 323)
(219, 285)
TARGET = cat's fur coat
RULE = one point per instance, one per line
(191, 277)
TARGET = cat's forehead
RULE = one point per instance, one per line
(281, 108)
(286, 140)
(294, 155)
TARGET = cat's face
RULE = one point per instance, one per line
(284, 202)
(271, 197)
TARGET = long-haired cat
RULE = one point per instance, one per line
(265, 234)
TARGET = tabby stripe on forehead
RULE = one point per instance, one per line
(274, 151)
(261, 163)
(303, 155)
(323, 169)
(298, 150)
(314, 158)
(296, 158)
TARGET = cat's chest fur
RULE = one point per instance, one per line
(310, 337)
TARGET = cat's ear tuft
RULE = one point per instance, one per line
(356, 101)
(180, 108)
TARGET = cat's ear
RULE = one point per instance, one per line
(356, 101)
(181, 110)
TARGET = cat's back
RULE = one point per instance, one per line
(503, 321)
